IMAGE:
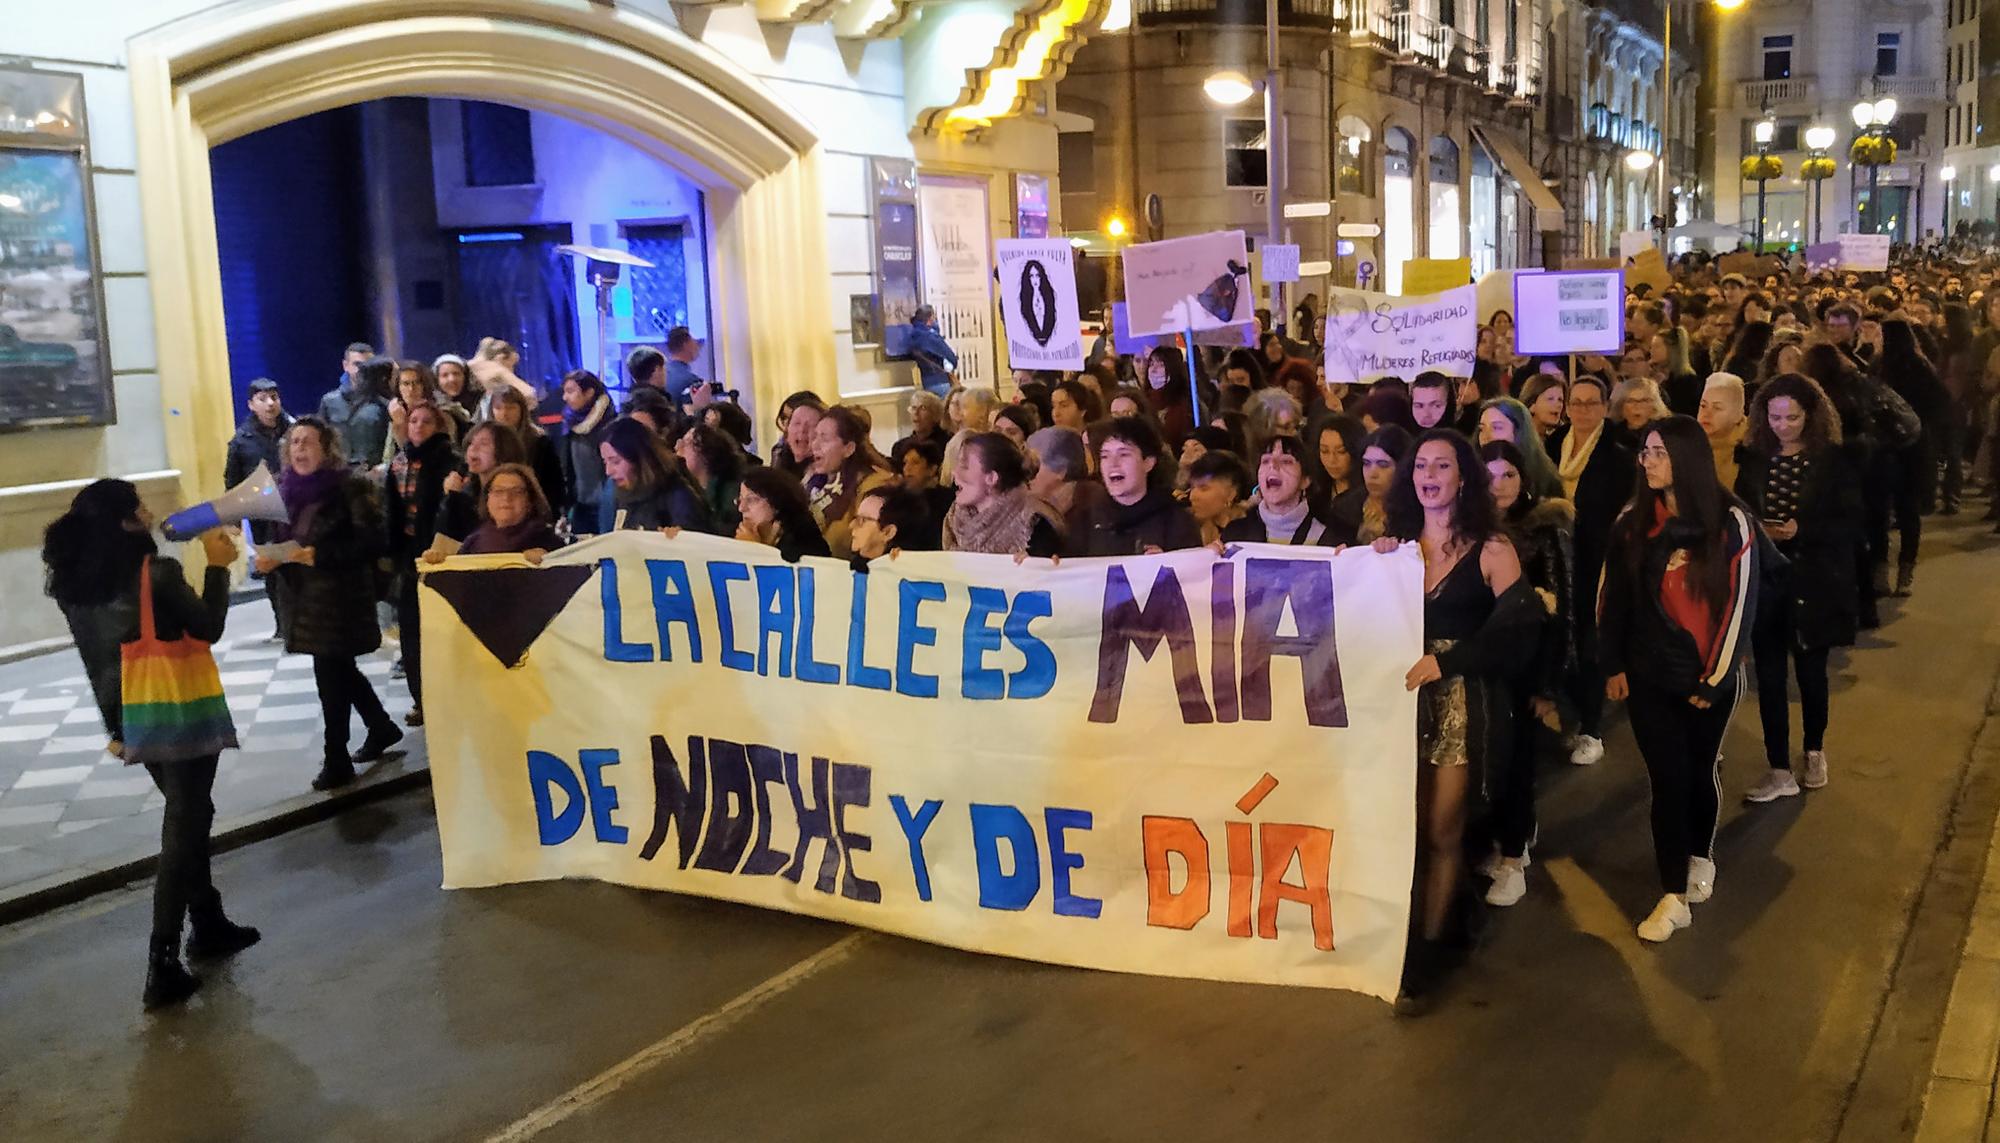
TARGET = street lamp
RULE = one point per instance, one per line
(1872, 148)
(1763, 133)
(1230, 88)
(1947, 175)
(1818, 167)
(1637, 160)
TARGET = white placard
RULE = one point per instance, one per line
(1038, 303)
(1864, 252)
(1630, 242)
(1198, 282)
(1281, 263)
(958, 278)
(1569, 311)
(1374, 335)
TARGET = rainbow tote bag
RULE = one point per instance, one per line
(174, 708)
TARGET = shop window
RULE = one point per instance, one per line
(1243, 153)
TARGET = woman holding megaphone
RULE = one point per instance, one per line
(143, 635)
(328, 569)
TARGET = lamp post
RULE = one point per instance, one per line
(1817, 167)
(1764, 132)
(1947, 174)
(1873, 147)
(1229, 88)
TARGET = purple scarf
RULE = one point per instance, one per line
(303, 496)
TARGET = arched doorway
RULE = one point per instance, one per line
(216, 76)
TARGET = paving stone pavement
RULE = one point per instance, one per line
(67, 807)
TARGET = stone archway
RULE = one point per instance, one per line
(218, 75)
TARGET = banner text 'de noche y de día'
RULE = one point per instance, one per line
(1186, 765)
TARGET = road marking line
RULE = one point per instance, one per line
(600, 1087)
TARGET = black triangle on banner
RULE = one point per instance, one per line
(507, 609)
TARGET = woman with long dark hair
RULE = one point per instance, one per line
(1164, 377)
(772, 509)
(329, 595)
(1674, 617)
(587, 415)
(415, 498)
(1804, 490)
(994, 512)
(1539, 528)
(1336, 473)
(509, 409)
(845, 465)
(1441, 501)
(95, 555)
(488, 445)
(1382, 452)
(715, 462)
(1903, 367)
(1746, 351)
(650, 490)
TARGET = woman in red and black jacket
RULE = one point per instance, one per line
(1674, 619)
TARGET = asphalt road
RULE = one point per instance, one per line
(381, 1008)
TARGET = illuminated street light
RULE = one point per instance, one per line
(1639, 160)
(1819, 138)
(1228, 88)
(1115, 227)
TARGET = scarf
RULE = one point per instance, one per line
(1280, 527)
(1575, 455)
(583, 424)
(489, 538)
(1000, 527)
(1724, 447)
(303, 496)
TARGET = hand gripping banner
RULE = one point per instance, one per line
(1185, 765)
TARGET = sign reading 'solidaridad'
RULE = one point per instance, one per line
(1185, 764)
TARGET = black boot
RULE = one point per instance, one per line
(378, 742)
(214, 935)
(168, 982)
(335, 772)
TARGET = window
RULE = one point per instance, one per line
(659, 291)
(1887, 45)
(1399, 210)
(1777, 57)
(1951, 128)
(1445, 225)
(1354, 173)
(499, 145)
(1243, 160)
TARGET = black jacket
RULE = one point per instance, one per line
(330, 605)
(1542, 540)
(1249, 528)
(1636, 636)
(413, 523)
(101, 630)
(673, 505)
(1108, 528)
(1818, 587)
(1601, 493)
(253, 445)
(544, 459)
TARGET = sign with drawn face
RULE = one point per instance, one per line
(1196, 283)
(1038, 303)
(1374, 335)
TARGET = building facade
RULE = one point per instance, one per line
(1972, 46)
(854, 149)
(1807, 63)
(1639, 119)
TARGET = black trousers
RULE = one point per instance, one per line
(1681, 744)
(407, 623)
(1772, 642)
(1587, 682)
(1514, 802)
(182, 883)
(1915, 494)
(344, 690)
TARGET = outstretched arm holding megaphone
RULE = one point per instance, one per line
(256, 498)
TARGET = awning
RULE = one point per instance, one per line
(1548, 211)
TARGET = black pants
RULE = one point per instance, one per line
(182, 883)
(1772, 642)
(1878, 496)
(407, 623)
(1514, 802)
(1953, 455)
(1587, 683)
(1915, 493)
(343, 690)
(1681, 744)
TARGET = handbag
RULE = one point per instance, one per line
(1896, 423)
(174, 709)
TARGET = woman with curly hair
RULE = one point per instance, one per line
(1805, 491)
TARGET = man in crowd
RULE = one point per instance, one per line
(936, 359)
(256, 442)
(682, 348)
(359, 411)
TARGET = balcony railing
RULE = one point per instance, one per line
(1912, 88)
(1774, 92)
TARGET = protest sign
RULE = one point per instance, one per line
(1864, 252)
(1569, 311)
(1281, 263)
(1038, 303)
(1199, 282)
(1435, 275)
(1375, 335)
(1125, 341)
(1630, 242)
(951, 747)
(1822, 256)
(1648, 268)
(1752, 266)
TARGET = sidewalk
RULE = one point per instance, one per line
(74, 820)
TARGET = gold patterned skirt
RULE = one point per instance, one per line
(1444, 716)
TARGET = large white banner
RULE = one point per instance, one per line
(1374, 335)
(1185, 765)
(958, 272)
(1038, 303)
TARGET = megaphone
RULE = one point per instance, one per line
(256, 498)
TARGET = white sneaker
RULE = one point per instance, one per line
(1774, 785)
(1489, 866)
(1701, 880)
(1510, 884)
(1670, 914)
(1586, 750)
(1815, 770)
